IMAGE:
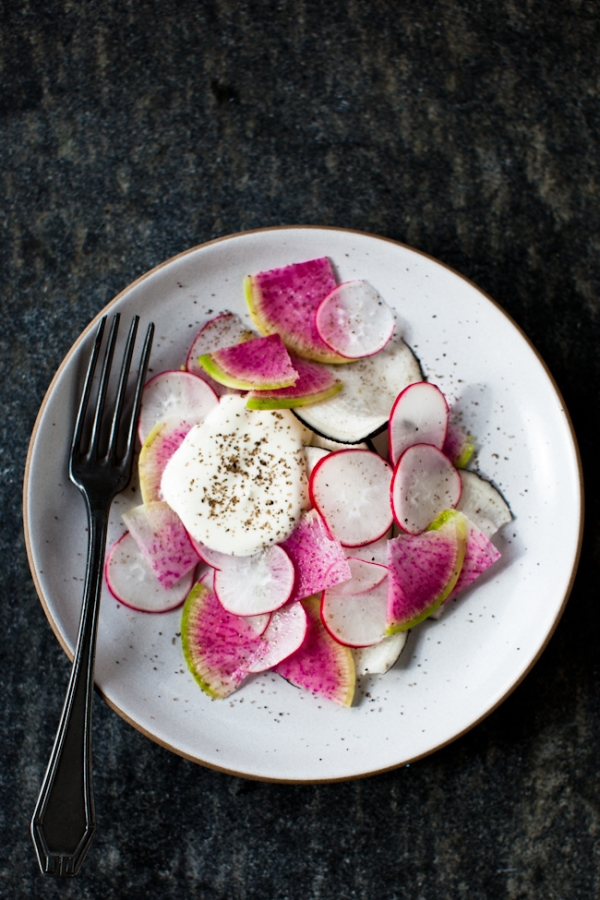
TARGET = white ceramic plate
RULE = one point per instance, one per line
(453, 672)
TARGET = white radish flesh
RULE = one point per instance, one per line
(285, 633)
(354, 320)
(162, 539)
(424, 484)
(379, 658)
(175, 395)
(350, 489)
(313, 456)
(356, 620)
(253, 585)
(132, 582)
(482, 503)
(419, 416)
(373, 553)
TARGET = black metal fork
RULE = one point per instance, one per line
(63, 823)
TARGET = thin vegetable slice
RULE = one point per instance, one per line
(424, 484)
(482, 503)
(174, 395)
(162, 539)
(354, 320)
(314, 384)
(379, 658)
(132, 582)
(318, 557)
(356, 619)
(158, 448)
(252, 585)
(216, 334)
(419, 416)
(284, 635)
(262, 364)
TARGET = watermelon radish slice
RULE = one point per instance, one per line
(482, 503)
(216, 334)
(423, 570)
(350, 489)
(314, 384)
(424, 484)
(354, 320)
(357, 618)
(321, 665)
(132, 582)
(480, 554)
(284, 635)
(459, 445)
(252, 585)
(174, 395)
(158, 448)
(379, 658)
(258, 624)
(419, 416)
(285, 301)
(262, 364)
(371, 386)
(162, 539)
(318, 557)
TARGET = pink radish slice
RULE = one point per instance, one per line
(423, 570)
(314, 384)
(356, 620)
(218, 333)
(252, 585)
(419, 416)
(459, 446)
(365, 577)
(213, 558)
(284, 635)
(321, 665)
(260, 364)
(480, 554)
(424, 484)
(162, 539)
(175, 395)
(158, 448)
(258, 624)
(350, 489)
(373, 553)
(132, 582)
(317, 556)
(354, 320)
(379, 658)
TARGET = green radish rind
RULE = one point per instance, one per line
(315, 383)
(423, 569)
(157, 450)
(262, 364)
(321, 665)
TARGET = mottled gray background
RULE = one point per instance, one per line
(132, 130)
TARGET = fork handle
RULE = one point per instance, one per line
(63, 822)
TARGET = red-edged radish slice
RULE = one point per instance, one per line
(350, 488)
(379, 658)
(216, 334)
(356, 620)
(258, 624)
(365, 576)
(158, 448)
(132, 582)
(162, 539)
(284, 635)
(175, 395)
(482, 503)
(419, 416)
(213, 558)
(318, 557)
(424, 484)
(373, 553)
(252, 585)
(354, 320)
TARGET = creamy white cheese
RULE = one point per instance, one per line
(238, 481)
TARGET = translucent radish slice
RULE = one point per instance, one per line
(218, 333)
(354, 320)
(365, 577)
(373, 553)
(258, 624)
(175, 395)
(132, 582)
(261, 364)
(252, 585)
(162, 539)
(480, 554)
(482, 503)
(419, 416)
(313, 456)
(318, 557)
(158, 448)
(213, 558)
(285, 634)
(424, 484)
(356, 620)
(350, 489)
(379, 658)
(459, 445)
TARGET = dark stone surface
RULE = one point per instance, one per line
(467, 128)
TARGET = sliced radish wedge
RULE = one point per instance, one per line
(252, 585)
(284, 635)
(357, 619)
(175, 395)
(424, 484)
(459, 445)
(423, 570)
(132, 582)
(379, 658)
(480, 554)
(373, 553)
(354, 320)
(158, 448)
(419, 416)
(218, 333)
(313, 384)
(482, 503)
(318, 557)
(350, 489)
(162, 539)
(321, 665)
(260, 364)
(365, 576)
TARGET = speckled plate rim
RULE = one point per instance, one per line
(92, 325)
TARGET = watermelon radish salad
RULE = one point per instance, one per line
(266, 511)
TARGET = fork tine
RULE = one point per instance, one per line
(139, 387)
(85, 395)
(106, 367)
(125, 366)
